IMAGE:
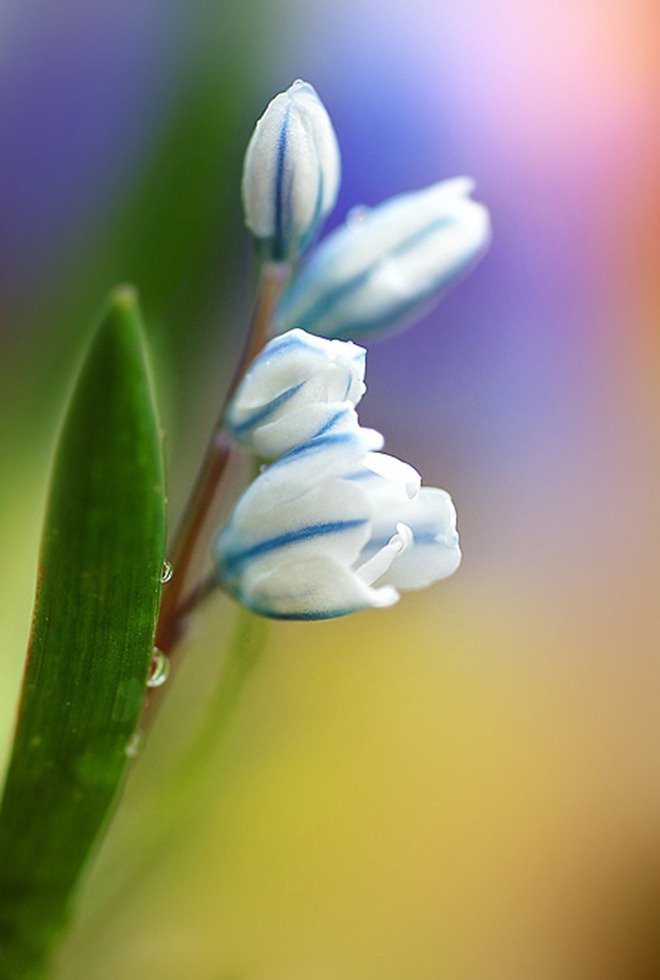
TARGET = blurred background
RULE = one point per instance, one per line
(467, 785)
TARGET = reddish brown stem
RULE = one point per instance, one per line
(184, 547)
(178, 601)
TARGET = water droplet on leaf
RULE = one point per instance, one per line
(135, 744)
(159, 669)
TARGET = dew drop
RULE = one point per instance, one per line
(166, 572)
(135, 744)
(159, 669)
(357, 215)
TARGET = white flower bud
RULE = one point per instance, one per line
(386, 266)
(298, 387)
(291, 173)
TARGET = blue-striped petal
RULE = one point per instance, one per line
(329, 518)
(311, 588)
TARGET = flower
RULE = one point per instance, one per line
(327, 530)
(332, 525)
(386, 266)
(291, 173)
(297, 388)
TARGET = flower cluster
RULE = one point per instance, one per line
(383, 267)
(332, 525)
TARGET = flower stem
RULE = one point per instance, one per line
(177, 602)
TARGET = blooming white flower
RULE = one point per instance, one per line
(386, 266)
(291, 173)
(330, 528)
(332, 525)
(300, 386)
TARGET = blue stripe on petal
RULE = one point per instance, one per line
(316, 444)
(391, 317)
(397, 314)
(331, 422)
(231, 562)
(308, 616)
(364, 474)
(286, 343)
(279, 246)
(317, 217)
(349, 385)
(262, 414)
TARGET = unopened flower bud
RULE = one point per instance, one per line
(387, 266)
(291, 173)
(299, 387)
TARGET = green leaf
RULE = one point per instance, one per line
(92, 638)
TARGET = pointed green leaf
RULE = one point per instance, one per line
(91, 643)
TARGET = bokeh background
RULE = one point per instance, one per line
(468, 785)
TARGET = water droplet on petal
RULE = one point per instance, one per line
(135, 744)
(357, 215)
(159, 669)
(166, 572)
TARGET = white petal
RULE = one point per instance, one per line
(260, 168)
(394, 471)
(370, 571)
(325, 141)
(297, 357)
(376, 232)
(338, 448)
(296, 428)
(314, 587)
(301, 177)
(435, 552)
(390, 484)
(332, 517)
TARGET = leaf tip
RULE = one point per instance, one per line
(124, 297)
